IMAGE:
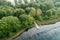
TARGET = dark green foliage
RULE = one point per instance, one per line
(33, 12)
(2, 13)
(3, 26)
(49, 5)
(19, 12)
(28, 10)
(58, 11)
(39, 18)
(35, 5)
(5, 3)
(8, 26)
(23, 6)
(46, 17)
(10, 11)
(6, 11)
(49, 13)
(26, 20)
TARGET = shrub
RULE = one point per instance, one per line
(28, 10)
(6, 11)
(58, 11)
(46, 17)
(32, 12)
(9, 25)
(19, 12)
(26, 20)
(39, 18)
(9, 11)
(2, 13)
(49, 13)
(3, 26)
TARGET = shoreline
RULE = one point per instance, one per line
(45, 22)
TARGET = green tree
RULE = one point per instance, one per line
(33, 12)
(27, 10)
(49, 13)
(39, 18)
(19, 12)
(23, 6)
(12, 25)
(26, 20)
(3, 32)
(36, 5)
(6, 11)
(58, 11)
(5, 3)
(10, 11)
(44, 6)
(45, 17)
(39, 12)
(49, 5)
(2, 13)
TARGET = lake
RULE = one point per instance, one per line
(45, 32)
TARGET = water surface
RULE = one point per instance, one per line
(45, 32)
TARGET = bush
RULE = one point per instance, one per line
(8, 26)
(2, 13)
(19, 12)
(9, 11)
(58, 11)
(32, 12)
(46, 17)
(49, 13)
(28, 10)
(3, 26)
(6, 11)
(26, 20)
(39, 18)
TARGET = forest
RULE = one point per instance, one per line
(23, 14)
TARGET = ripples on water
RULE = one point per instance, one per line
(46, 32)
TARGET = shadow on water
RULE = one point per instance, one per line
(46, 32)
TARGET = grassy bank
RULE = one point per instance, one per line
(46, 22)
